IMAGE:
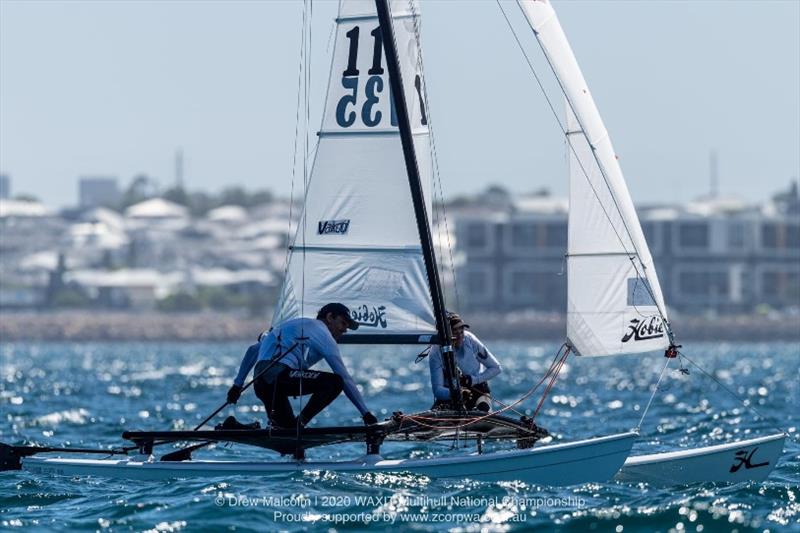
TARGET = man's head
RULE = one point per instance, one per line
(337, 317)
(457, 326)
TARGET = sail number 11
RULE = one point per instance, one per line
(373, 88)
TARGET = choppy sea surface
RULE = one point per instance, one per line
(86, 394)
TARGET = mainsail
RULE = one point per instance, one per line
(357, 241)
(615, 304)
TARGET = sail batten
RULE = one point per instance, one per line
(601, 254)
(339, 133)
(359, 249)
(367, 18)
(614, 300)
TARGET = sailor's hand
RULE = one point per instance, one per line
(369, 419)
(466, 394)
(234, 393)
(466, 381)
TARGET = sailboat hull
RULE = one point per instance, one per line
(745, 460)
(590, 460)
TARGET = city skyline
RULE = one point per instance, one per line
(87, 186)
(115, 89)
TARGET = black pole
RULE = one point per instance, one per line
(412, 169)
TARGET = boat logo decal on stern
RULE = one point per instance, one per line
(743, 459)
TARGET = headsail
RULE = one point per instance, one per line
(615, 304)
(357, 241)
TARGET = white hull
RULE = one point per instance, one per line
(745, 460)
(590, 460)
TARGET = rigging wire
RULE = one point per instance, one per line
(635, 252)
(652, 396)
(613, 196)
(745, 402)
(563, 128)
(289, 237)
(434, 153)
(306, 47)
(306, 67)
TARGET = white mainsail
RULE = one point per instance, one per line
(615, 304)
(357, 241)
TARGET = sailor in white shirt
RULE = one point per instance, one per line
(477, 366)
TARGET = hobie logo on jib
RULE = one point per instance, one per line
(333, 227)
(644, 329)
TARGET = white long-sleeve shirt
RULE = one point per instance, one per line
(318, 343)
(472, 358)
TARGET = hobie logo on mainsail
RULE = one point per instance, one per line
(644, 329)
(333, 227)
(371, 318)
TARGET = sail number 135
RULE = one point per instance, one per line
(347, 107)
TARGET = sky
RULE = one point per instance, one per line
(115, 88)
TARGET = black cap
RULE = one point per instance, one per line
(338, 309)
(456, 321)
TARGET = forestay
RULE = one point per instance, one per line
(615, 304)
(357, 241)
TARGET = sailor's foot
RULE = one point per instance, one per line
(232, 423)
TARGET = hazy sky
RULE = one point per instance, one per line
(113, 88)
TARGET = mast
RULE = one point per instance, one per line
(410, 156)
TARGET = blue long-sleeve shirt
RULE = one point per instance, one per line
(250, 357)
(298, 334)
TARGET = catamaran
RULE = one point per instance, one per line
(373, 158)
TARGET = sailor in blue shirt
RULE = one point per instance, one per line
(298, 344)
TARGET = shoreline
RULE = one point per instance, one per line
(88, 326)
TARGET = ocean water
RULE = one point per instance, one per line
(86, 394)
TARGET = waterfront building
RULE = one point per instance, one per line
(714, 254)
(94, 191)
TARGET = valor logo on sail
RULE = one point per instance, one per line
(333, 227)
(644, 329)
(371, 318)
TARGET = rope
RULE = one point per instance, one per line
(557, 362)
(652, 396)
(508, 407)
(552, 381)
